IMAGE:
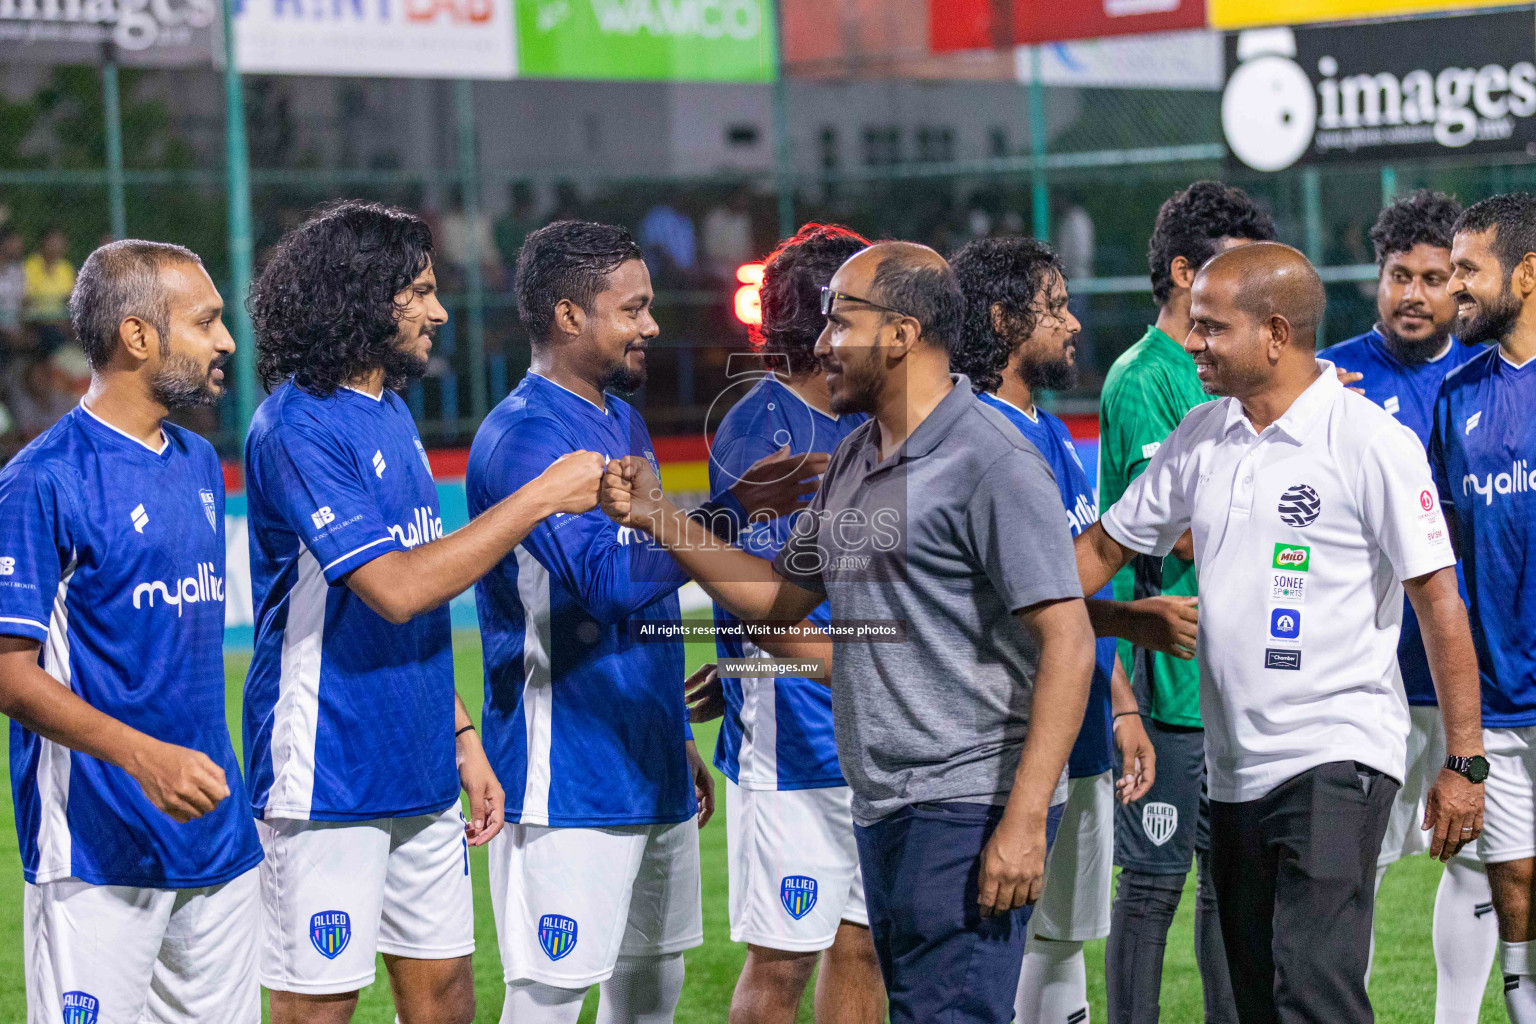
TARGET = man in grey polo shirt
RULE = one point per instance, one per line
(939, 518)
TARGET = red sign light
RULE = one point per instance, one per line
(749, 301)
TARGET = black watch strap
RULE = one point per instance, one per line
(1473, 769)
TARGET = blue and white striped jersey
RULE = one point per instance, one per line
(584, 718)
(347, 716)
(112, 558)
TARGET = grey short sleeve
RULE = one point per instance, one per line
(1019, 532)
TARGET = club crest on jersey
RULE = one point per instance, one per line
(209, 508)
(423, 453)
(330, 931)
(1160, 821)
(798, 894)
(1300, 506)
(557, 936)
(80, 1008)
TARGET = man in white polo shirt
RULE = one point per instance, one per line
(1312, 511)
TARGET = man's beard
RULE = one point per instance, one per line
(1411, 351)
(402, 365)
(862, 384)
(1059, 374)
(620, 378)
(181, 383)
(1493, 324)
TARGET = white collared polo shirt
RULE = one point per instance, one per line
(1303, 535)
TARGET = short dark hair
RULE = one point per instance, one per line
(793, 276)
(923, 289)
(569, 259)
(1513, 218)
(1421, 217)
(324, 304)
(1190, 224)
(1009, 272)
(119, 280)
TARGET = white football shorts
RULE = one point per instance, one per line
(570, 901)
(1509, 797)
(336, 893)
(1074, 903)
(1426, 756)
(115, 954)
(793, 866)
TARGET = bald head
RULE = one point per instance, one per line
(914, 280)
(1270, 279)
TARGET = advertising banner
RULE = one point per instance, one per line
(979, 24)
(1385, 91)
(1160, 60)
(661, 40)
(386, 38)
(139, 33)
(1233, 14)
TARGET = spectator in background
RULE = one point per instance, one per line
(44, 388)
(1075, 243)
(13, 293)
(462, 240)
(50, 277)
(727, 235)
(670, 247)
(11, 440)
(512, 227)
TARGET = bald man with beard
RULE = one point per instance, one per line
(1312, 511)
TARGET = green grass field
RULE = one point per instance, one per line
(1402, 987)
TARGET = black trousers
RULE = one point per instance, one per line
(1295, 875)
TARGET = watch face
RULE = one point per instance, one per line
(1477, 768)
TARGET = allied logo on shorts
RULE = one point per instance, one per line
(798, 894)
(1296, 557)
(330, 931)
(209, 508)
(557, 935)
(80, 1008)
(1160, 821)
(1300, 506)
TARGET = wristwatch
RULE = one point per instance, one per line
(1473, 769)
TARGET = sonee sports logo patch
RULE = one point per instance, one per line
(557, 935)
(1160, 821)
(330, 931)
(1300, 506)
(80, 1008)
(1296, 557)
(798, 894)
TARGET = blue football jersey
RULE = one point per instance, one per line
(347, 716)
(1407, 391)
(1482, 449)
(112, 557)
(777, 733)
(584, 719)
(1094, 751)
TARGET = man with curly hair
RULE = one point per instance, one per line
(1020, 338)
(796, 892)
(1400, 363)
(1148, 390)
(356, 745)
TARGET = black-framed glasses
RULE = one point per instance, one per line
(828, 296)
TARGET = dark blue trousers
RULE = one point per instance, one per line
(942, 961)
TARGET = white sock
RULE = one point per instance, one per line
(1519, 986)
(641, 990)
(1466, 935)
(533, 1002)
(1053, 986)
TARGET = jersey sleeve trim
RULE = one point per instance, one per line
(350, 561)
(29, 628)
